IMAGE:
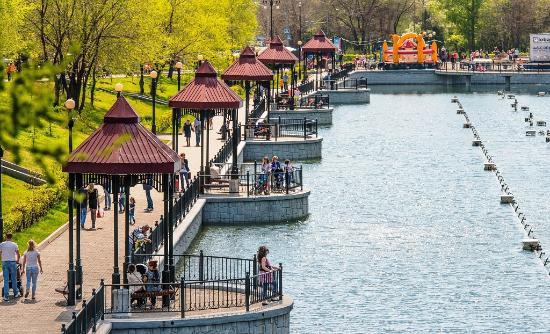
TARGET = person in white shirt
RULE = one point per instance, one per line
(31, 264)
(10, 258)
(135, 283)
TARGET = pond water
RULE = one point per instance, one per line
(406, 233)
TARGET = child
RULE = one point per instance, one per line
(132, 211)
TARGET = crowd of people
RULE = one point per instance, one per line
(273, 175)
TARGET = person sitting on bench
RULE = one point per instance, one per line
(135, 284)
(153, 279)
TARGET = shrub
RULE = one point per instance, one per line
(42, 199)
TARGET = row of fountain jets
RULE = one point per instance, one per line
(530, 242)
(530, 118)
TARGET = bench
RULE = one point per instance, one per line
(64, 291)
(148, 294)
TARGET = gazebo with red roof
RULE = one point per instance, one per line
(121, 154)
(318, 46)
(209, 96)
(278, 57)
(248, 68)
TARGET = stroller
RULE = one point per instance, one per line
(278, 178)
(19, 282)
(261, 185)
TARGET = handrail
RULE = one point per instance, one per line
(248, 287)
(91, 312)
(281, 128)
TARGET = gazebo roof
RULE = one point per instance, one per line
(122, 145)
(319, 43)
(276, 53)
(248, 67)
(206, 92)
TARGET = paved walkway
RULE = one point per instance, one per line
(48, 311)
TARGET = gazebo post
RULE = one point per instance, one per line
(71, 273)
(268, 101)
(234, 167)
(207, 157)
(177, 130)
(116, 274)
(171, 219)
(79, 274)
(166, 270)
(202, 171)
(174, 129)
(246, 102)
(127, 258)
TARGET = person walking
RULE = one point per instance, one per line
(10, 70)
(197, 127)
(148, 186)
(187, 128)
(107, 193)
(10, 257)
(83, 194)
(31, 264)
(285, 81)
(132, 211)
(184, 171)
(92, 202)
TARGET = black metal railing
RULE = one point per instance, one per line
(226, 150)
(315, 101)
(254, 181)
(281, 128)
(307, 87)
(206, 282)
(91, 312)
(182, 205)
(347, 83)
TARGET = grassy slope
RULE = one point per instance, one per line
(86, 123)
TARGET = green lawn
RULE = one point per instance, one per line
(87, 122)
(14, 191)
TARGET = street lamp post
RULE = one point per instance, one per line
(179, 66)
(118, 89)
(300, 20)
(177, 116)
(153, 76)
(300, 59)
(271, 3)
(71, 273)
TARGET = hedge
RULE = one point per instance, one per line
(42, 199)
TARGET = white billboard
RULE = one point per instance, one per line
(539, 49)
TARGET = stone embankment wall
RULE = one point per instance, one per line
(259, 209)
(298, 149)
(272, 320)
(432, 77)
(323, 116)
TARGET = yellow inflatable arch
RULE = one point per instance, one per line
(399, 40)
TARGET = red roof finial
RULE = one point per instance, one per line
(320, 33)
(121, 112)
(247, 52)
(206, 70)
(276, 41)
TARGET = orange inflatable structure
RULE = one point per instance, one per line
(409, 49)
